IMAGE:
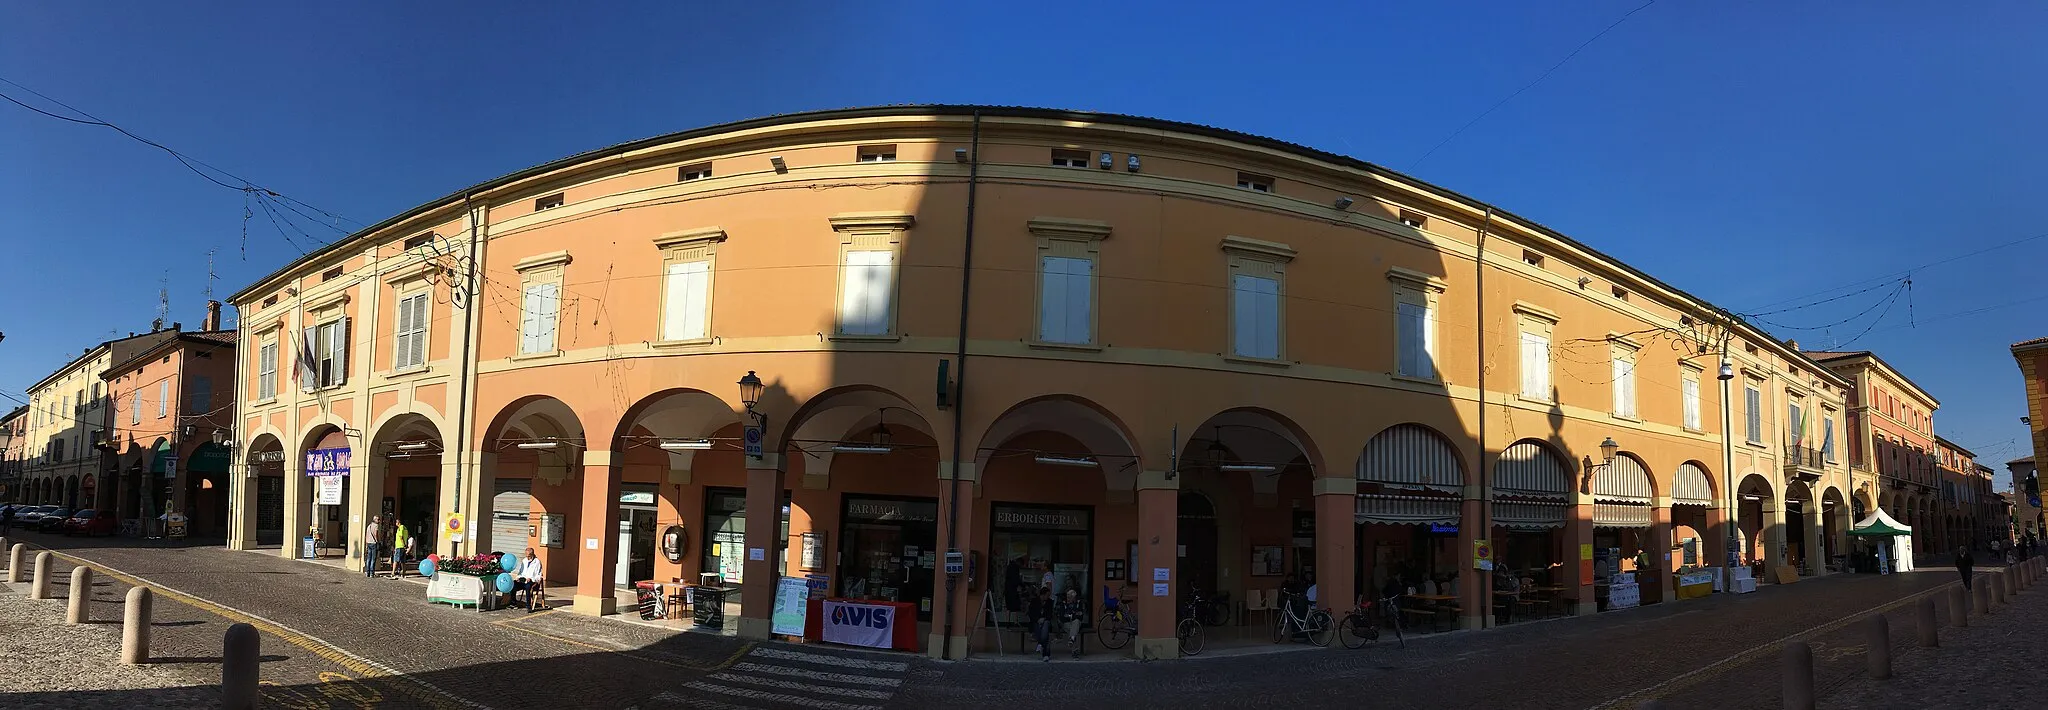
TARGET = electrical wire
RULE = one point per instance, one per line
(1874, 306)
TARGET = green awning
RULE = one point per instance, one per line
(1879, 528)
(163, 451)
(209, 458)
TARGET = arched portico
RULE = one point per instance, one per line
(1534, 514)
(533, 462)
(1251, 513)
(1762, 521)
(1410, 514)
(401, 481)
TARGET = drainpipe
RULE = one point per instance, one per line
(960, 383)
(1485, 481)
(466, 392)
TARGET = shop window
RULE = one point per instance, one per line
(725, 535)
(889, 550)
(1032, 546)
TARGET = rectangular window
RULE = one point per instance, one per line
(1416, 339)
(538, 314)
(409, 345)
(1689, 390)
(417, 242)
(868, 283)
(1065, 298)
(1535, 366)
(330, 274)
(1620, 293)
(1795, 425)
(199, 397)
(1254, 182)
(266, 371)
(1069, 158)
(1532, 258)
(1753, 414)
(1414, 219)
(324, 363)
(547, 203)
(1255, 316)
(163, 398)
(686, 311)
(1624, 368)
(135, 406)
(693, 172)
(877, 153)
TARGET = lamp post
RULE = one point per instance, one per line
(1608, 449)
(750, 395)
(1726, 374)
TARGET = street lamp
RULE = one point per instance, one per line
(750, 390)
(1608, 449)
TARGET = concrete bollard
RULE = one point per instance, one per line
(1997, 586)
(40, 588)
(1798, 688)
(238, 668)
(1959, 607)
(81, 594)
(135, 627)
(1983, 597)
(1877, 647)
(14, 562)
(1930, 632)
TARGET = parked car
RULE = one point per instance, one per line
(28, 518)
(89, 523)
(53, 520)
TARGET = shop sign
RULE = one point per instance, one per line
(1443, 528)
(637, 498)
(892, 510)
(1305, 524)
(327, 462)
(329, 492)
(1076, 520)
(858, 624)
(792, 597)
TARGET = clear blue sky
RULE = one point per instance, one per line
(1747, 152)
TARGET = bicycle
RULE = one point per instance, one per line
(1188, 632)
(1362, 625)
(1316, 624)
(1117, 625)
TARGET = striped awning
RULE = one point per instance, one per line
(1413, 457)
(1623, 481)
(1529, 514)
(1408, 510)
(1690, 487)
(1621, 515)
(1529, 469)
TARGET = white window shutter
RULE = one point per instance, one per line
(419, 329)
(1255, 308)
(1689, 390)
(1052, 295)
(308, 364)
(697, 300)
(1620, 387)
(550, 317)
(864, 297)
(341, 351)
(1410, 334)
(529, 320)
(1080, 294)
(881, 275)
(1426, 345)
(163, 398)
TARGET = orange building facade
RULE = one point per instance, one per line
(1134, 357)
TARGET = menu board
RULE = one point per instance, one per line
(707, 607)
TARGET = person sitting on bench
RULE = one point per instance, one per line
(529, 578)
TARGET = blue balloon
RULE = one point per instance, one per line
(426, 568)
(508, 561)
(505, 583)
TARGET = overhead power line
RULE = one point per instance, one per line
(1525, 87)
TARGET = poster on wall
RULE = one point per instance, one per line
(551, 530)
(813, 551)
(856, 624)
(792, 599)
(1268, 561)
(328, 491)
(327, 462)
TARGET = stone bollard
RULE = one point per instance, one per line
(14, 562)
(1930, 632)
(1959, 607)
(1997, 586)
(238, 668)
(81, 595)
(1877, 647)
(135, 627)
(1798, 688)
(1982, 591)
(40, 588)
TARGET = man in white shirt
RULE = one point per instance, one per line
(529, 578)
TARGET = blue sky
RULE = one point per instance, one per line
(1748, 152)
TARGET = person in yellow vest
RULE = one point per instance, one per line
(401, 543)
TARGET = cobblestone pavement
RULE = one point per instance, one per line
(1993, 663)
(1717, 652)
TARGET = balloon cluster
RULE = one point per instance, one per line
(429, 565)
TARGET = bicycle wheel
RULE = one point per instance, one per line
(1191, 637)
(1280, 626)
(1215, 614)
(1394, 622)
(1114, 629)
(1356, 630)
(1320, 627)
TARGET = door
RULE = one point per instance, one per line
(636, 546)
(417, 505)
(1197, 533)
(511, 511)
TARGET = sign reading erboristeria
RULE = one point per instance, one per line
(327, 462)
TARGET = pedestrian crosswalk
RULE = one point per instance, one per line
(789, 677)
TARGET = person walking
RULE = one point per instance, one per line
(401, 542)
(371, 535)
(7, 519)
(1964, 564)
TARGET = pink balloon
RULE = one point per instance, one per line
(436, 557)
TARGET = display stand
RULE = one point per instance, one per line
(986, 620)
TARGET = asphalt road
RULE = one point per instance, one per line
(1718, 652)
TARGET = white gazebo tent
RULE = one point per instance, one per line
(1899, 546)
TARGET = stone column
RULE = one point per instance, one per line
(1578, 560)
(1158, 548)
(764, 533)
(1659, 579)
(1475, 586)
(1773, 522)
(298, 503)
(477, 477)
(597, 538)
(365, 500)
(1815, 563)
(1336, 501)
(1714, 539)
(967, 606)
(241, 493)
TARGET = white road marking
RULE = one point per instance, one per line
(830, 660)
(817, 675)
(860, 693)
(692, 701)
(753, 694)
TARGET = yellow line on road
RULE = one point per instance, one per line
(362, 666)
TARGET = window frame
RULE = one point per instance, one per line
(875, 153)
(1537, 321)
(1415, 288)
(1255, 182)
(1068, 239)
(1691, 409)
(266, 379)
(870, 232)
(163, 398)
(1625, 370)
(1753, 412)
(541, 270)
(1244, 256)
(1069, 154)
(694, 172)
(688, 247)
(402, 338)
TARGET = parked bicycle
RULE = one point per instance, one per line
(1189, 631)
(1315, 623)
(1363, 624)
(1118, 623)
